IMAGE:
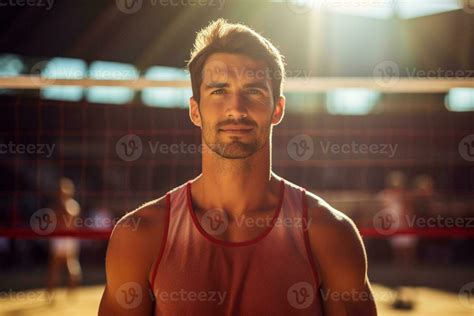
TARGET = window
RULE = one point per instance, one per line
(166, 97)
(351, 101)
(63, 68)
(460, 100)
(104, 70)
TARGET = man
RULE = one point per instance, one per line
(396, 203)
(64, 251)
(237, 239)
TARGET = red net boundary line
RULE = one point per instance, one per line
(194, 162)
(282, 132)
(27, 233)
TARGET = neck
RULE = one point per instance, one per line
(238, 186)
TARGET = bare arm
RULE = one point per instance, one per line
(132, 248)
(341, 261)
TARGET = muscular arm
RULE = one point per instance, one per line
(133, 245)
(341, 261)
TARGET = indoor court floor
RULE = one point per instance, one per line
(85, 301)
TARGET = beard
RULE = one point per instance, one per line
(233, 147)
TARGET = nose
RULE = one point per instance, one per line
(236, 106)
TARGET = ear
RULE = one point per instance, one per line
(279, 111)
(194, 113)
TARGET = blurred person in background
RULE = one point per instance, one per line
(395, 200)
(64, 251)
(423, 198)
(426, 204)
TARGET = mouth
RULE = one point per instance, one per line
(236, 130)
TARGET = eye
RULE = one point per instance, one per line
(218, 91)
(254, 91)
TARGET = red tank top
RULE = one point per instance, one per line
(273, 274)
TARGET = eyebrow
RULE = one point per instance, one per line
(218, 85)
(214, 85)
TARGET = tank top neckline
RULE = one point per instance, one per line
(233, 243)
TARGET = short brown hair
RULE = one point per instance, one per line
(223, 37)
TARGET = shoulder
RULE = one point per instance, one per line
(132, 247)
(136, 239)
(335, 240)
(326, 219)
(144, 220)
